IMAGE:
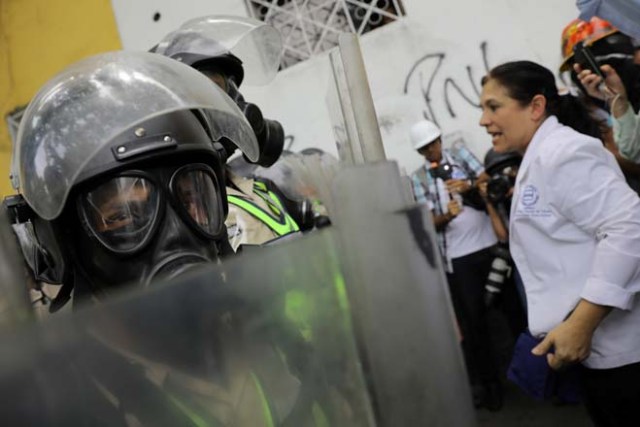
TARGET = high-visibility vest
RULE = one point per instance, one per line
(276, 218)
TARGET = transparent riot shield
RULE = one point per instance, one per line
(349, 326)
(268, 340)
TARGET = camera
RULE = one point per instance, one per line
(498, 188)
(498, 275)
(585, 58)
(443, 171)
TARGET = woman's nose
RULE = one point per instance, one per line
(484, 121)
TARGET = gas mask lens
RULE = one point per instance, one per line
(195, 190)
(121, 212)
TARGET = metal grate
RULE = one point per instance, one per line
(309, 27)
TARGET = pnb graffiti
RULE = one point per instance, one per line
(426, 71)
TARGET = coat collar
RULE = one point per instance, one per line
(547, 127)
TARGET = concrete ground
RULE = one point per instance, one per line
(519, 409)
(522, 411)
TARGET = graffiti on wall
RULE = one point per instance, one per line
(289, 140)
(426, 74)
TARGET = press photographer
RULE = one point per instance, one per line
(446, 184)
(496, 187)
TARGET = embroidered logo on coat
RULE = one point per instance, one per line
(530, 196)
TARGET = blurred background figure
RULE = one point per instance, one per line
(611, 47)
(305, 175)
(298, 180)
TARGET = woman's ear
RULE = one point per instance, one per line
(538, 107)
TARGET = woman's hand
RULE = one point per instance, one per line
(571, 339)
(572, 344)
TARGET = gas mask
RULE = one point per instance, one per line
(143, 225)
(269, 133)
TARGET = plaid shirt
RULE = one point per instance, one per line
(433, 192)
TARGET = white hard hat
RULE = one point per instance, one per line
(424, 133)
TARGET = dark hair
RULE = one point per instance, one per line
(525, 79)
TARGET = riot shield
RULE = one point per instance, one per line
(265, 340)
(347, 326)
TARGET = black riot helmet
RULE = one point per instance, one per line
(115, 158)
(190, 48)
(213, 46)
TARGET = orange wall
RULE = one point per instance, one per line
(38, 38)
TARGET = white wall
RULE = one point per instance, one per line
(414, 66)
(138, 30)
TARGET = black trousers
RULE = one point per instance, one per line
(612, 396)
(466, 285)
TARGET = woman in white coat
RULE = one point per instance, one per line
(574, 235)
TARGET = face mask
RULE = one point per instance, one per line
(143, 225)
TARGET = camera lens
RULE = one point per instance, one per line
(498, 188)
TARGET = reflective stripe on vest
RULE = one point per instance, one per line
(198, 421)
(281, 225)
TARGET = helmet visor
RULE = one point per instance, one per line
(121, 213)
(257, 44)
(81, 110)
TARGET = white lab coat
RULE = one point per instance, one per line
(575, 233)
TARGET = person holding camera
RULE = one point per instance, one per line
(504, 286)
(626, 123)
(611, 93)
(446, 184)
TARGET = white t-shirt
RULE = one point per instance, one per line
(469, 232)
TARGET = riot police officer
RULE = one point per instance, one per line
(258, 211)
(116, 161)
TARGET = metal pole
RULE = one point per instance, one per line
(366, 122)
(344, 120)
